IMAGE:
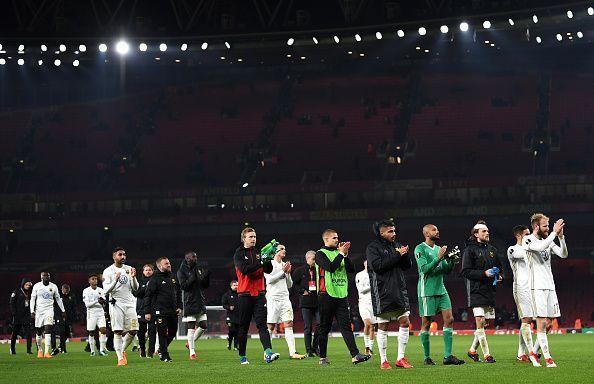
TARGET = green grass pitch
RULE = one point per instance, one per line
(217, 365)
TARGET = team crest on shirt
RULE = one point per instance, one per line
(491, 254)
(173, 281)
(127, 272)
(257, 256)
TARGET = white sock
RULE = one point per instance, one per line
(92, 343)
(475, 343)
(482, 338)
(290, 337)
(544, 344)
(526, 334)
(38, 339)
(48, 342)
(199, 332)
(382, 344)
(191, 340)
(521, 345)
(127, 341)
(403, 334)
(536, 345)
(366, 340)
(371, 343)
(102, 342)
(135, 341)
(117, 345)
(157, 345)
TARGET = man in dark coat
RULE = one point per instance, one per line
(193, 280)
(145, 326)
(386, 261)
(482, 270)
(230, 302)
(21, 314)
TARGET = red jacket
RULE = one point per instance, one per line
(250, 272)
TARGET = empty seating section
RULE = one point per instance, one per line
(459, 133)
(319, 147)
(571, 119)
(198, 130)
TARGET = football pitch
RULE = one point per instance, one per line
(218, 365)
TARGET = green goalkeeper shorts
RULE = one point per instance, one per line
(432, 305)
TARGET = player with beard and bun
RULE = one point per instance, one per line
(119, 282)
(230, 302)
(145, 326)
(42, 311)
(433, 296)
(482, 270)
(540, 247)
(20, 314)
(193, 280)
(387, 260)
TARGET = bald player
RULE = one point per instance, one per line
(433, 296)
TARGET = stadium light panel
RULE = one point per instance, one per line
(122, 47)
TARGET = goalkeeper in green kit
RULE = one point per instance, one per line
(432, 264)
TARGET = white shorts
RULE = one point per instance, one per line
(366, 312)
(545, 303)
(44, 318)
(278, 310)
(391, 316)
(123, 318)
(486, 312)
(524, 304)
(200, 317)
(94, 321)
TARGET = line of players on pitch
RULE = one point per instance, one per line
(263, 294)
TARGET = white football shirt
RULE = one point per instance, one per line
(363, 287)
(519, 264)
(539, 254)
(43, 296)
(121, 290)
(278, 282)
(91, 299)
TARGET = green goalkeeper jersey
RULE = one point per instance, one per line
(431, 270)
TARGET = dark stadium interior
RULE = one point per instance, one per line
(181, 153)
